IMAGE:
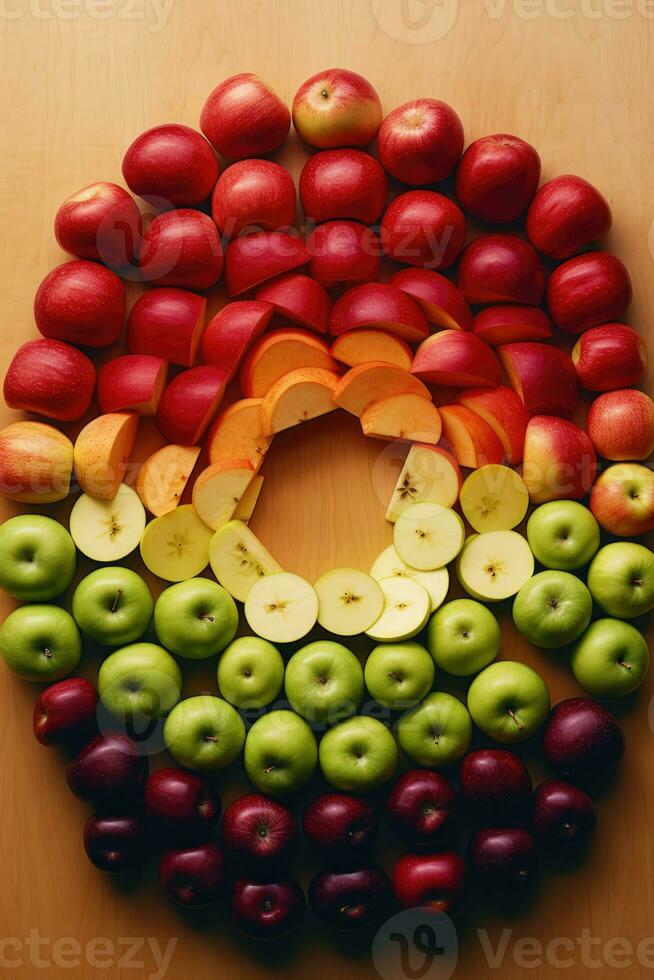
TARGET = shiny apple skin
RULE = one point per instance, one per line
(109, 772)
(180, 805)
(253, 193)
(421, 806)
(496, 786)
(171, 164)
(347, 899)
(566, 214)
(564, 817)
(621, 425)
(50, 378)
(100, 222)
(335, 108)
(82, 303)
(344, 252)
(181, 248)
(421, 141)
(588, 290)
(343, 183)
(499, 268)
(423, 228)
(267, 910)
(582, 739)
(340, 826)
(259, 830)
(117, 844)
(194, 876)
(610, 356)
(497, 177)
(432, 880)
(65, 712)
(244, 117)
(504, 857)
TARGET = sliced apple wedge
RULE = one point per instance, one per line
(238, 559)
(377, 304)
(163, 477)
(237, 434)
(429, 473)
(298, 397)
(472, 440)
(362, 346)
(176, 546)
(428, 536)
(389, 564)
(543, 376)
(495, 565)
(408, 417)
(503, 410)
(456, 359)
(494, 498)
(107, 530)
(367, 383)
(190, 402)
(247, 503)
(279, 352)
(439, 299)
(219, 489)
(102, 451)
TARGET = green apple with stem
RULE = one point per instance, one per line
(40, 643)
(437, 731)
(140, 680)
(563, 534)
(113, 606)
(552, 609)
(463, 637)
(204, 732)
(324, 682)
(611, 659)
(195, 619)
(37, 558)
(398, 675)
(621, 579)
(250, 672)
(280, 753)
(508, 701)
(359, 755)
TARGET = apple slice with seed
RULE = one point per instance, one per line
(238, 559)
(494, 565)
(107, 530)
(298, 397)
(163, 477)
(406, 610)
(176, 546)
(281, 607)
(367, 383)
(237, 434)
(218, 490)
(389, 564)
(428, 536)
(429, 473)
(349, 601)
(408, 417)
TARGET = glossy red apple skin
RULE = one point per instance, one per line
(100, 222)
(189, 404)
(431, 880)
(230, 334)
(50, 378)
(109, 772)
(566, 214)
(344, 252)
(181, 248)
(456, 359)
(421, 141)
(496, 786)
(621, 424)
(543, 376)
(560, 462)
(116, 844)
(82, 303)
(340, 827)
(267, 910)
(375, 304)
(300, 298)
(65, 712)
(440, 300)
(499, 268)
(347, 899)
(253, 193)
(253, 259)
(588, 290)
(497, 177)
(582, 739)
(507, 324)
(243, 117)
(423, 228)
(171, 164)
(343, 183)
(563, 816)
(193, 876)
(622, 500)
(337, 107)
(504, 857)
(258, 830)
(421, 806)
(167, 322)
(180, 805)
(609, 356)
(132, 381)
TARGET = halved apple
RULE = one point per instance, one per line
(298, 397)
(237, 434)
(440, 300)
(505, 324)
(133, 382)
(367, 383)
(247, 503)
(107, 530)
(406, 416)
(168, 323)
(503, 410)
(238, 559)
(472, 440)
(428, 536)
(163, 477)
(429, 473)
(229, 335)
(300, 298)
(494, 498)
(102, 451)
(190, 402)
(279, 352)
(458, 359)
(494, 565)
(377, 304)
(543, 376)
(252, 259)
(362, 346)
(176, 546)
(219, 489)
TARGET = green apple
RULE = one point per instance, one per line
(406, 610)
(37, 558)
(509, 701)
(195, 619)
(552, 609)
(611, 659)
(204, 732)
(358, 755)
(399, 674)
(621, 579)
(324, 682)
(40, 643)
(280, 753)
(463, 637)
(250, 672)
(141, 679)
(113, 606)
(436, 732)
(563, 534)
(281, 607)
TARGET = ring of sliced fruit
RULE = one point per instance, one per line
(384, 352)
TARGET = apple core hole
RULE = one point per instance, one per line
(262, 832)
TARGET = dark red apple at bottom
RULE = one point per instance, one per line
(564, 816)
(497, 177)
(181, 248)
(65, 712)
(501, 269)
(258, 829)
(267, 910)
(496, 785)
(433, 880)
(339, 825)
(347, 899)
(181, 805)
(116, 844)
(582, 739)
(82, 303)
(421, 805)
(110, 771)
(100, 222)
(193, 876)
(505, 857)
(344, 252)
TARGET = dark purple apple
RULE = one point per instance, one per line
(64, 713)
(564, 816)
(421, 805)
(496, 786)
(505, 857)
(109, 772)
(181, 806)
(582, 739)
(193, 876)
(116, 844)
(267, 910)
(258, 829)
(346, 899)
(340, 826)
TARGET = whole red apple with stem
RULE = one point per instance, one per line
(497, 177)
(340, 826)
(267, 910)
(117, 844)
(347, 899)
(421, 805)
(244, 117)
(193, 876)
(181, 805)
(65, 712)
(421, 141)
(258, 830)
(564, 817)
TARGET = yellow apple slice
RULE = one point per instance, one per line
(279, 352)
(406, 416)
(298, 397)
(236, 434)
(494, 498)
(102, 451)
(238, 559)
(429, 473)
(349, 601)
(218, 490)
(389, 564)
(282, 607)
(247, 503)
(176, 546)
(367, 383)
(494, 565)
(406, 610)
(428, 536)
(163, 477)
(107, 530)
(362, 346)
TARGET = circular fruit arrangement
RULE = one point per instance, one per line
(467, 371)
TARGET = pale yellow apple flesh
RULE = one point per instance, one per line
(247, 503)
(406, 610)
(279, 352)
(362, 346)
(349, 601)
(238, 559)
(368, 383)
(218, 491)
(281, 607)
(108, 530)
(495, 565)
(429, 473)
(494, 498)
(389, 564)
(176, 546)
(102, 451)
(428, 536)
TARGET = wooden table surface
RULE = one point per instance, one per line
(81, 79)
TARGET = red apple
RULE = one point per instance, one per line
(506, 324)
(559, 460)
(335, 108)
(181, 248)
(566, 214)
(543, 376)
(564, 816)
(189, 403)
(421, 141)
(497, 177)
(501, 269)
(588, 290)
(622, 500)
(343, 184)
(610, 356)
(193, 876)
(435, 880)
(180, 805)
(82, 303)
(254, 258)
(50, 378)
(582, 739)
(344, 252)
(456, 359)
(267, 910)
(230, 334)
(168, 323)
(346, 899)
(621, 424)
(109, 772)
(379, 305)
(504, 412)
(253, 192)
(300, 298)
(171, 164)
(496, 786)
(340, 826)
(117, 844)
(100, 222)
(423, 228)
(65, 712)
(503, 857)
(439, 299)
(133, 381)
(243, 117)
(258, 830)
(421, 805)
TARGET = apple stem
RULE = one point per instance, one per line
(394, 676)
(47, 652)
(207, 617)
(512, 715)
(117, 600)
(270, 768)
(210, 738)
(625, 665)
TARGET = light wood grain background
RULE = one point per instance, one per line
(80, 79)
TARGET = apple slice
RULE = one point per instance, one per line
(362, 346)
(376, 304)
(252, 259)
(506, 324)
(133, 382)
(389, 563)
(367, 383)
(102, 451)
(281, 607)
(406, 610)
(168, 323)
(230, 334)
(495, 565)
(494, 498)
(300, 298)
(543, 376)
(429, 473)
(176, 546)
(297, 397)
(349, 601)
(278, 353)
(238, 559)
(247, 503)
(163, 477)
(218, 490)
(236, 434)
(408, 417)
(503, 410)
(107, 530)
(457, 359)
(189, 403)
(440, 300)
(428, 536)
(472, 440)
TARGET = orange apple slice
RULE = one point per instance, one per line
(248, 501)
(503, 410)
(279, 352)
(362, 346)
(367, 383)
(472, 440)
(237, 434)
(298, 397)
(163, 477)
(218, 490)
(102, 451)
(406, 416)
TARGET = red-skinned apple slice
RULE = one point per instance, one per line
(163, 477)
(501, 269)
(503, 410)
(440, 300)
(300, 298)
(168, 323)
(456, 359)
(362, 346)
(608, 357)
(237, 434)
(506, 324)
(377, 304)
(218, 490)
(279, 352)
(368, 383)
(543, 376)
(344, 252)
(559, 460)
(132, 382)
(230, 334)
(251, 260)
(588, 290)
(470, 438)
(50, 378)
(189, 404)
(297, 397)
(408, 417)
